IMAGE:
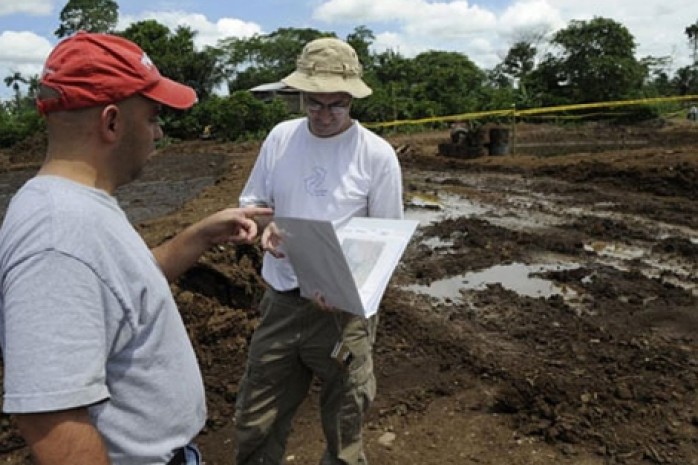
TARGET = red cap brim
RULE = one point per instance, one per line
(171, 94)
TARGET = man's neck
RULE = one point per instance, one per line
(349, 123)
(75, 170)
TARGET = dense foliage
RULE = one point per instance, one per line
(588, 61)
(87, 15)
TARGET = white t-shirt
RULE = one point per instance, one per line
(87, 319)
(355, 173)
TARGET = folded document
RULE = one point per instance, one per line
(349, 267)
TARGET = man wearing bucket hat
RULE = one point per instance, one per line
(324, 166)
(98, 368)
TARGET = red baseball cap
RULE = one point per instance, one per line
(90, 69)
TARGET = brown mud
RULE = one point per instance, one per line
(600, 367)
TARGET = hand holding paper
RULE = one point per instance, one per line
(271, 238)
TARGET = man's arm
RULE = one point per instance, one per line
(236, 225)
(58, 438)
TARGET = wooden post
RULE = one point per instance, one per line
(513, 129)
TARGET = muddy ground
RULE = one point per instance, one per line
(545, 313)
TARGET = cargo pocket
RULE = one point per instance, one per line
(360, 393)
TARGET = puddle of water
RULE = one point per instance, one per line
(427, 201)
(428, 209)
(615, 250)
(533, 222)
(662, 230)
(677, 272)
(516, 277)
(674, 272)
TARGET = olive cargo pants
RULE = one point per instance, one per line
(293, 342)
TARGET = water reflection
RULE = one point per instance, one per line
(431, 208)
(517, 277)
(615, 250)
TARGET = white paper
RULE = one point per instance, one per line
(351, 267)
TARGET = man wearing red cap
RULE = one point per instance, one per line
(98, 366)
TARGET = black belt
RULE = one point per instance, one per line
(179, 458)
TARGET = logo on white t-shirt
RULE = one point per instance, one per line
(314, 184)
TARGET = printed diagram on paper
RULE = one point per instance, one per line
(362, 257)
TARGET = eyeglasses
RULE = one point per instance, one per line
(337, 109)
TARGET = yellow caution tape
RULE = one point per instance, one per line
(513, 112)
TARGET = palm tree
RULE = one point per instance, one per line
(692, 33)
(13, 81)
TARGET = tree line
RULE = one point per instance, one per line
(588, 61)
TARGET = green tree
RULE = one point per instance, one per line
(658, 82)
(237, 117)
(594, 61)
(256, 60)
(361, 39)
(692, 33)
(18, 117)
(445, 82)
(685, 80)
(388, 78)
(509, 79)
(15, 81)
(176, 56)
(547, 84)
(520, 60)
(433, 83)
(87, 15)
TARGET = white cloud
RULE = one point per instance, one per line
(397, 43)
(231, 27)
(485, 35)
(366, 10)
(480, 50)
(419, 25)
(449, 20)
(32, 7)
(22, 52)
(208, 33)
(416, 17)
(657, 26)
(529, 17)
(484, 53)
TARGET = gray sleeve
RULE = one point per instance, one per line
(55, 342)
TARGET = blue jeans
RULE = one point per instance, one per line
(192, 454)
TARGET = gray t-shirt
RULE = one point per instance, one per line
(87, 319)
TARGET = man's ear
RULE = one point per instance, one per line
(110, 122)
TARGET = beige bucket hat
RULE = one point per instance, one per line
(328, 65)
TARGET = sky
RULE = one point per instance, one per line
(484, 30)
